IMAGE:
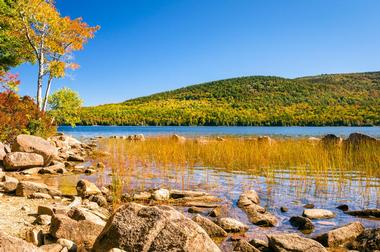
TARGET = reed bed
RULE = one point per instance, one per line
(302, 160)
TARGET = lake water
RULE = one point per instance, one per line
(91, 131)
(137, 165)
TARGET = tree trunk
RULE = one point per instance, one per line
(39, 82)
(47, 94)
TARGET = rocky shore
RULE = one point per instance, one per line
(37, 217)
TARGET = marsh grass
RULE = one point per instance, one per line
(299, 160)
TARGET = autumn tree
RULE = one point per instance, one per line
(47, 38)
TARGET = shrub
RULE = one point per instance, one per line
(20, 115)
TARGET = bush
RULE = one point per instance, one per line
(20, 115)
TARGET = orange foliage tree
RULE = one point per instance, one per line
(48, 38)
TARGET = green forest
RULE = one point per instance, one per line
(334, 99)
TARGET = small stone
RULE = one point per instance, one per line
(70, 245)
(25, 208)
(9, 184)
(100, 165)
(309, 206)
(99, 199)
(34, 236)
(85, 188)
(198, 210)
(142, 196)
(161, 194)
(284, 209)
(216, 212)
(302, 223)
(39, 196)
(90, 171)
(343, 207)
(43, 219)
(259, 244)
(232, 225)
(318, 214)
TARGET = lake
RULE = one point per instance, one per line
(91, 131)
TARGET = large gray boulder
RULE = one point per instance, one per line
(35, 144)
(367, 241)
(13, 244)
(134, 227)
(15, 161)
(293, 243)
(341, 235)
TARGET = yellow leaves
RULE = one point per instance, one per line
(57, 69)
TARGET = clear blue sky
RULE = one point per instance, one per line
(145, 46)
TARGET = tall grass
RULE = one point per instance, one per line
(165, 157)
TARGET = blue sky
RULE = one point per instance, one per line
(148, 46)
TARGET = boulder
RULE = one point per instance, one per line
(9, 184)
(99, 199)
(260, 244)
(137, 137)
(53, 247)
(216, 212)
(331, 139)
(70, 245)
(343, 207)
(75, 157)
(15, 161)
(82, 232)
(27, 188)
(302, 223)
(293, 243)
(232, 225)
(368, 213)
(34, 236)
(38, 195)
(50, 210)
(244, 246)
(358, 138)
(161, 194)
(284, 209)
(341, 235)
(248, 202)
(13, 244)
(210, 227)
(85, 188)
(31, 171)
(134, 227)
(265, 140)
(367, 241)
(38, 145)
(318, 214)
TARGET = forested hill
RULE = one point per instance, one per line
(337, 99)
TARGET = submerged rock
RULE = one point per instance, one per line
(293, 243)
(368, 213)
(21, 160)
(176, 194)
(210, 227)
(318, 214)
(343, 207)
(134, 227)
(341, 235)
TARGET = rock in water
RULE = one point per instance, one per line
(13, 244)
(210, 227)
(248, 202)
(134, 227)
(302, 223)
(232, 225)
(85, 188)
(368, 213)
(21, 160)
(38, 145)
(318, 214)
(294, 243)
(341, 235)
(244, 246)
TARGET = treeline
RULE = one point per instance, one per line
(341, 99)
